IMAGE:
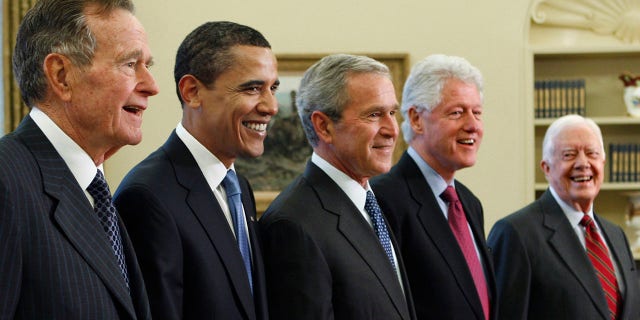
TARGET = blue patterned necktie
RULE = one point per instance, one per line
(373, 209)
(106, 212)
(232, 188)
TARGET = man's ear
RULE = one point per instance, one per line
(415, 119)
(323, 125)
(57, 69)
(189, 88)
(544, 165)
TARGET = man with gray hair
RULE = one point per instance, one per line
(83, 70)
(555, 258)
(327, 248)
(437, 220)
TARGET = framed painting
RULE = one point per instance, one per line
(286, 150)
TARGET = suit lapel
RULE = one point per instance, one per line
(207, 210)
(74, 214)
(618, 247)
(563, 239)
(438, 230)
(358, 233)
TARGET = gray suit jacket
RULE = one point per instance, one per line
(55, 259)
(187, 251)
(543, 271)
(324, 261)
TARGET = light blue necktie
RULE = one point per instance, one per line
(106, 212)
(232, 188)
(373, 209)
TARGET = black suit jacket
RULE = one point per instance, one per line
(440, 280)
(323, 260)
(544, 273)
(187, 251)
(55, 259)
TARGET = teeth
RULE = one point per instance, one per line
(256, 126)
(467, 141)
(581, 179)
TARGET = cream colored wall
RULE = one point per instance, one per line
(490, 34)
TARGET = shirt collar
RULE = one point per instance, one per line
(570, 212)
(79, 162)
(435, 181)
(350, 187)
(212, 168)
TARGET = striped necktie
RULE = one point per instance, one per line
(599, 256)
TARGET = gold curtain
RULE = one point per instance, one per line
(14, 108)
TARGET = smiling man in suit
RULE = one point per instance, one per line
(191, 218)
(328, 253)
(447, 261)
(555, 258)
(82, 68)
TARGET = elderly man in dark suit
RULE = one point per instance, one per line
(328, 251)
(555, 258)
(64, 253)
(442, 243)
(191, 218)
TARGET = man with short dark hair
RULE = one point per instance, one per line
(190, 216)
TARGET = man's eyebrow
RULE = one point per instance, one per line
(135, 54)
(252, 83)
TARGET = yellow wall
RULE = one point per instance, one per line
(490, 34)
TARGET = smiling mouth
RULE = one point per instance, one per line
(132, 109)
(469, 142)
(582, 178)
(259, 127)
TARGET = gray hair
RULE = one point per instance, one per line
(423, 88)
(324, 87)
(55, 26)
(562, 123)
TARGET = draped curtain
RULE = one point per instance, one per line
(14, 108)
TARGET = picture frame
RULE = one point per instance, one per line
(283, 160)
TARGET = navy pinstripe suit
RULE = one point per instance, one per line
(55, 261)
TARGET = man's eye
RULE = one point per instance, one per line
(274, 88)
(455, 115)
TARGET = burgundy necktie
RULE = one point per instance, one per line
(460, 228)
(599, 256)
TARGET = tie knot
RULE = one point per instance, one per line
(98, 188)
(586, 222)
(230, 183)
(449, 195)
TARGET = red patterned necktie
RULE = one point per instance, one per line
(460, 228)
(599, 256)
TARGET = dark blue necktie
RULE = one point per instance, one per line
(373, 209)
(106, 212)
(232, 188)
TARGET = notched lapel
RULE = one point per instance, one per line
(359, 234)
(563, 239)
(75, 216)
(437, 229)
(207, 210)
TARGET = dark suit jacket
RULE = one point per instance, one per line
(323, 260)
(440, 280)
(55, 259)
(544, 273)
(187, 251)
